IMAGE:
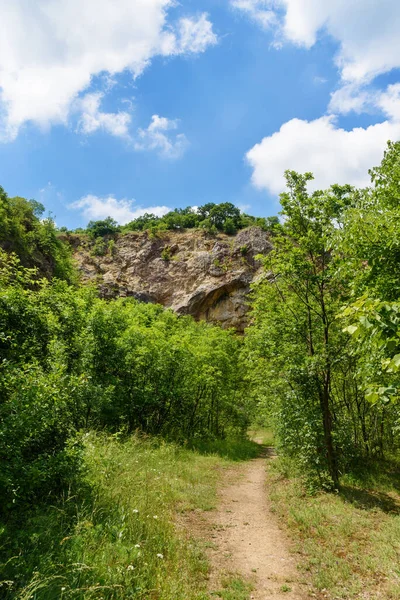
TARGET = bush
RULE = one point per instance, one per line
(101, 228)
(99, 247)
(229, 227)
(39, 458)
(166, 254)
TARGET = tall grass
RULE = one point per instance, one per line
(116, 537)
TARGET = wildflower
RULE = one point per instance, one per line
(160, 555)
(130, 568)
(137, 545)
(135, 511)
(155, 517)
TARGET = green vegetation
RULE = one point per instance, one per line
(234, 588)
(70, 365)
(323, 352)
(114, 537)
(24, 232)
(113, 413)
(349, 542)
(211, 217)
(72, 362)
(97, 229)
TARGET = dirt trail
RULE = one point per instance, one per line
(247, 540)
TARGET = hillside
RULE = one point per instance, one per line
(193, 272)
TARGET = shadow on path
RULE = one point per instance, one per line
(266, 451)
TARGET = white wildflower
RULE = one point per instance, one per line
(160, 555)
(130, 568)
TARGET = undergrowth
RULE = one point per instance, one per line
(115, 538)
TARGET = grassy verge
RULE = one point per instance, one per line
(116, 538)
(349, 542)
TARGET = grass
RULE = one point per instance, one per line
(263, 435)
(234, 588)
(348, 542)
(234, 449)
(116, 538)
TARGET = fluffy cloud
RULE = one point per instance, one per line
(332, 154)
(259, 11)
(51, 49)
(194, 35)
(92, 118)
(369, 45)
(367, 30)
(123, 211)
(158, 137)
(351, 98)
(389, 101)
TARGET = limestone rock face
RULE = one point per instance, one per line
(191, 272)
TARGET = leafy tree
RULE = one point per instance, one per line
(370, 238)
(34, 240)
(229, 226)
(220, 213)
(295, 322)
(107, 226)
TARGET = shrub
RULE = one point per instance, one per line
(99, 247)
(166, 254)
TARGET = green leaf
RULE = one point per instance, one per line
(352, 329)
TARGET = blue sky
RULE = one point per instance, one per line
(112, 107)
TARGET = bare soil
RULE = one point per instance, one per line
(244, 537)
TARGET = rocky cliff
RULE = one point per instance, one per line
(192, 272)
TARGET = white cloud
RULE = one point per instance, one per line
(158, 137)
(389, 101)
(92, 118)
(123, 211)
(332, 154)
(259, 11)
(194, 35)
(367, 30)
(51, 49)
(352, 98)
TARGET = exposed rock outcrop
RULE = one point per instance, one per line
(192, 272)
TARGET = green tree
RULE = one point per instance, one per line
(220, 213)
(107, 226)
(295, 331)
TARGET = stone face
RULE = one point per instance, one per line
(191, 272)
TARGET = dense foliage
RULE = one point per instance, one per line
(324, 352)
(70, 362)
(212, 217)
(34, 239)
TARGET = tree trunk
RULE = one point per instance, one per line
(328, 437)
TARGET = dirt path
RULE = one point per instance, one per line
(247, 540)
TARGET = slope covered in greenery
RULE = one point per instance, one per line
(33, 239)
